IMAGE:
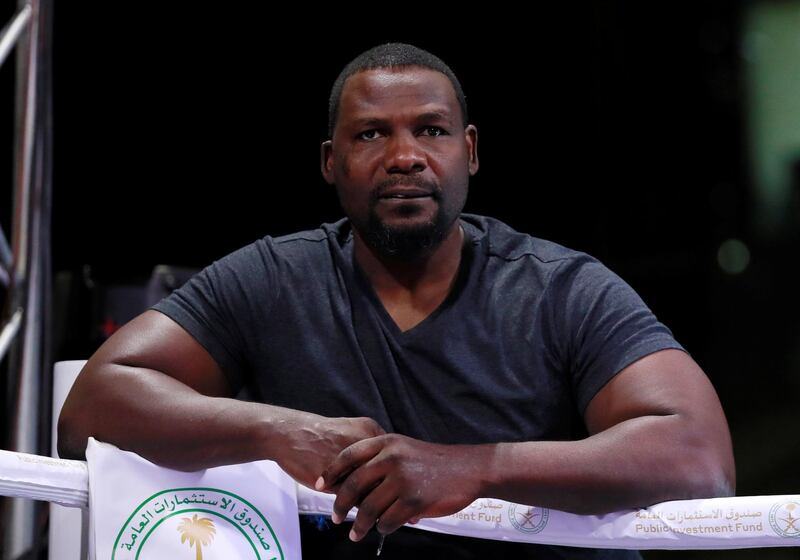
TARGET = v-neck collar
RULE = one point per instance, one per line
(462, 276)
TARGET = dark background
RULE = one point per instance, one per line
(617, 128)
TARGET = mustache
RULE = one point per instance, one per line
(415, 180)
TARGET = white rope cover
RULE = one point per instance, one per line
(718, 523)
(44, 478)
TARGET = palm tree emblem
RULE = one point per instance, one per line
(199, 533)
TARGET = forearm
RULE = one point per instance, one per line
(636, 463)
(165, 421)
(659, 434)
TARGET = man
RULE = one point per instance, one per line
(413, 358)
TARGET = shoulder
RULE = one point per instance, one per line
(309, 245)
(503, 241)
(503, 244)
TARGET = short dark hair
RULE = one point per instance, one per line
(391, 55)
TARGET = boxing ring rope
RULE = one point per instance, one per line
(714, 523)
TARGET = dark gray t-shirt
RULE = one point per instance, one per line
(528, 335)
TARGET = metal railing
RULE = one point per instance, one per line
(25, 261)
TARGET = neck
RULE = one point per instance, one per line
(436, 268)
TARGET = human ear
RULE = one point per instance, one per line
(471, 136)
(326, 160)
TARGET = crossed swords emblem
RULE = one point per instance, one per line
(790, 523)
(527, 518)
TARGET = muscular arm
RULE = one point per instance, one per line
(153, 389)
(657, 432)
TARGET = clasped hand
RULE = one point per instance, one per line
(395, 480)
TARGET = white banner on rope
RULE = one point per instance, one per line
(141, 511)
(134, 503)
(715, 523)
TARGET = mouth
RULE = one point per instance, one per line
(405, 194)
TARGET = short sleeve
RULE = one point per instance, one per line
(602, 325)
(222, 305)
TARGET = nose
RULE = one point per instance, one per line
(404, 154)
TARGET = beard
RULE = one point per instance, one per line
(406, 242)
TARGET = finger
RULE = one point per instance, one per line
(373, 427)
(370, 509)
(349, 459)
(354, 489)
(332, 488)
(395, 516)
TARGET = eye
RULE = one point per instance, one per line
(371, 134)
(434, 131)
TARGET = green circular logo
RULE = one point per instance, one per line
(528, 519)
(196, 523)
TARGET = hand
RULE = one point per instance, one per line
(395, 479)
(308, 442)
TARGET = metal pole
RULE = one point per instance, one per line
(5, 251)
(10, 33)
(30, 270)
(44, 179)
(9, 331)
